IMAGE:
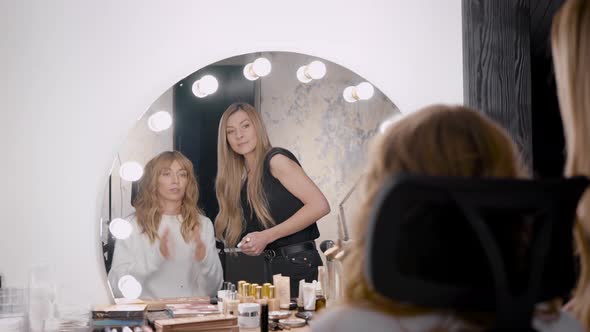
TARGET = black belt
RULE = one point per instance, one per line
(290, 249)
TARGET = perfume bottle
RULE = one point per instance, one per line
(231, 301)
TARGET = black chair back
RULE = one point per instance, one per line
(474, 245)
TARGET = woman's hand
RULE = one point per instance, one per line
(254, 243)
(200, 247)
(165, 244)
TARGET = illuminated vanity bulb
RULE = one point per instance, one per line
(160, 121)
(120, 228)
(249, 73)
(131, 171)
(316, 69)
(350, 94)
(313, 71)
(197, 91)
(301, 76)
(365, 90)
(129, 287)
(209, 84)
(205, 86)
(362, 91)
(261, 67)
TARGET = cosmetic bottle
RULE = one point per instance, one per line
(320, 299)
(273, 300)
(258, 295)
(263, 316)
(231, 302)
(265, 290)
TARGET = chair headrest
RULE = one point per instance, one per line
(493, 245)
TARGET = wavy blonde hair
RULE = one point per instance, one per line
(231, 174)
(570, 44)
(147, 206)
(438, 140)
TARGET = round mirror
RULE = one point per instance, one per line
(321, 112)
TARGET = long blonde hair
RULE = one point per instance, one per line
(231, 172)
(147, 207)
(438, 140)
(570, 44)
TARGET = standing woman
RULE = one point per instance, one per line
(570, 44)
(266, 201)
(171, 250)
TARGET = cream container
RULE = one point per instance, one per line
(249, 315)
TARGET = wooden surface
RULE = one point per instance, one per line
(299, 329)
(497, 67)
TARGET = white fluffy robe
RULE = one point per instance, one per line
(180, 275)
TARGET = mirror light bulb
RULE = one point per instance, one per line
(160, 121)
(301, 76)
(261, 67)
(316, 70)
(365, 90)
(129, 287)
(208, 84)
(131, 171)
(249, 73)
(197, 91)
(120, 228)
(349, 94)
(205, 86)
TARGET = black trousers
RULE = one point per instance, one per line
(302, 265)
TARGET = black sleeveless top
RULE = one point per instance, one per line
(281, 205)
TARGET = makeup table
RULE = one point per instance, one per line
(306, 328)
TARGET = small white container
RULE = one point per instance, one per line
(249, 315)
(220, 299)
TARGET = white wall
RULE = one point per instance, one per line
(76, 75)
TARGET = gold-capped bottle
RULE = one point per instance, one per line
(258, 294)
(273, 300)
(253, 289)
(246, 297)
(265, 290)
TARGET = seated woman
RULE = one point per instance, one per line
(438, 141)
(171, 250)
